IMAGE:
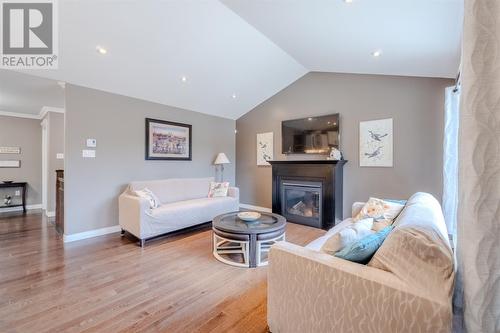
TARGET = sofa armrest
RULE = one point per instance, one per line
(356, 208)
(310, 291)
(234, 192)
(131, 210)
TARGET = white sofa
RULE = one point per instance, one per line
(184, 203)
(406, 287)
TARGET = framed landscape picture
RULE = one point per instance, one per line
(376, 143)
(166, 140)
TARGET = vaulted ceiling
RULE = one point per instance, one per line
(225, 57)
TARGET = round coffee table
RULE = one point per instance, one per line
(233, 237)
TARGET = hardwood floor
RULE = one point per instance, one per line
(109, 284)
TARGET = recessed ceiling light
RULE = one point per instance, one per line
(184, 79)
(348, 1)
(233, 96)
(101, 50)
(377, 53)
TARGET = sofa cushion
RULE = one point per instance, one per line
(318, 242)
(418, 251)
(363, 249)
(175, 189)
(348, 235)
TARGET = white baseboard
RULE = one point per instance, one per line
(91, 233)
(262, 209)
(20, 208)
(50, 214)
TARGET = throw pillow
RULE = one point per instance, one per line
(362, 250)
(379, 209)
(381, 224)
(348, 235)
(146, 193)
(218, 189)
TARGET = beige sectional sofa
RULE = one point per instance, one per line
(406, 287)
(184, 203)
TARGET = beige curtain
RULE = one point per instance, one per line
(479, 171)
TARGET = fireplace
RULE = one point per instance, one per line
(308, 192)
(302, 201)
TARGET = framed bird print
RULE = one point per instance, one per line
(376, 143)
(265, 148)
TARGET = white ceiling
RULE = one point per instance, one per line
(252, 49)
(417, 37)
(152, 44)
(26, 94)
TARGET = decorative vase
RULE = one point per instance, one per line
(335, 154)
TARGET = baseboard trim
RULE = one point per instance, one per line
(20, 208)
(50, 214)
(90, 234)
(262, 209)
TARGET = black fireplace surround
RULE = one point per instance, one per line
(308, 192)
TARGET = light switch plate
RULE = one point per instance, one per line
(60, 156)
(91, 143)
(88, 153)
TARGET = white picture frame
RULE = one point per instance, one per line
(376, 148)
(265, 148)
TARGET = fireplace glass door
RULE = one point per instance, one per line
(301, 202)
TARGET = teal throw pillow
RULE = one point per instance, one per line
(361, 251)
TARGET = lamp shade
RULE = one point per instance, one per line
(221, 159)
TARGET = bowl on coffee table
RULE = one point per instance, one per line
(249, 216)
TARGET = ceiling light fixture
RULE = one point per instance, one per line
(233, 96)
(101, 50)
(377, 53)
(348, 1)
(184, 79)
(309, 119)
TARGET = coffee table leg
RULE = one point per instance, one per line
(253, 250)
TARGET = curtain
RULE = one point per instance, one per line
(450, 159)
(478, 222)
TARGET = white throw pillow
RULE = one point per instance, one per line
(379, 209)
(218, 189)
(146, 193)
(349, 234)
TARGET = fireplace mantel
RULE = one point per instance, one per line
(327, 173)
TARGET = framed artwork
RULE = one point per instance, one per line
(376, 143)
(265, 148)
(10, 150)
(10, 164)
(166, 140)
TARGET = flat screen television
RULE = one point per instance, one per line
(312, 135)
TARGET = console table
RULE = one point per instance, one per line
(21, 185)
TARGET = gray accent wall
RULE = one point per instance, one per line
(27, 134)
(415, 104)
(92, 186)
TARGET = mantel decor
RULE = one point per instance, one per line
(166, 140)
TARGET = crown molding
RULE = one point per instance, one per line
(19, 115)
(47, 109)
